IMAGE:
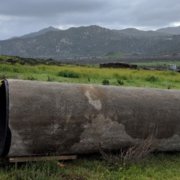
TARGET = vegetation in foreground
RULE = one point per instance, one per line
(159, 63)
(92, 75)
(156, 166)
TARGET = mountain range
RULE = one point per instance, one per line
(94, 41)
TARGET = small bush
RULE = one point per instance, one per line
(68, 74)
(120, 82)
(169, 86)
(105, 82)
(2, 76)
(117, 76)
(31, 78)
(173, 73)
(152, 78)
(16, 70)
(133, 154)
(50, 78)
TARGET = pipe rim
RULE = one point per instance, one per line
(4, 121)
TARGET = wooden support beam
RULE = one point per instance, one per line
(41, 158)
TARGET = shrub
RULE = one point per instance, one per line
(123, 77)
(173, 73)
(120, 82)
(50, 78)
(2, 76)
(169, 86)
(68, 74)
(16, 70)
(133, 154)
(31, 78)
(105, 82)
(152, 78)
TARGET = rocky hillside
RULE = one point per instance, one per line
(91, 41)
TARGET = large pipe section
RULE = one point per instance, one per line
(48, 118)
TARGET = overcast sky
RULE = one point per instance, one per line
(18, 17)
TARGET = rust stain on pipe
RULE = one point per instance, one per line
(47, 118)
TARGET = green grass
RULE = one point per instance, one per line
(155, 167)
(92, 75)
(158, 63)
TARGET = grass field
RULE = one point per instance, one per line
(92, 75)
(157, 166)
(158, 63)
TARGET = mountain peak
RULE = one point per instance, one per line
(95, 27)
(131, 29)
(50, 28)
(40, 32)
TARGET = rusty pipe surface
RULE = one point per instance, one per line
(45, 118)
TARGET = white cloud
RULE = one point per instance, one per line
(175, 24)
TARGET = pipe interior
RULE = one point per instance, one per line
(5, 135)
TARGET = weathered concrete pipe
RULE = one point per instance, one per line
(45, 118)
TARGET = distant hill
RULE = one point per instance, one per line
(91, 41)
(137, 32)
(170, 30)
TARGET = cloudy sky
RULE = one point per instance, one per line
(18, 17)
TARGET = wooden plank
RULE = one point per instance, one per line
(41, 158)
